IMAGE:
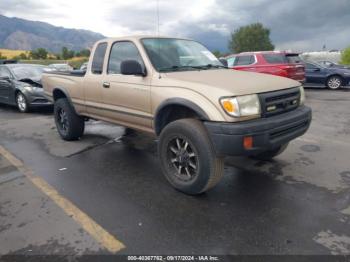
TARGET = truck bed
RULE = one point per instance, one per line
(77, 73)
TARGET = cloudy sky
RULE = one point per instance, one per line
(300, 25)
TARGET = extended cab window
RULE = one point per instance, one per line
(120, 52)
(99, 57)
(244, 60)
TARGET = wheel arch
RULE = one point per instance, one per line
(60, 92)
(174, 109)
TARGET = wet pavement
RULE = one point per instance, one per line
(297, 204)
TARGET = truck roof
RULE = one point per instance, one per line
(264, 52)
(136, 37)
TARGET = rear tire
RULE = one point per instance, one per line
(188, 157)
(268, 155)
(69, 125)
(334, 82)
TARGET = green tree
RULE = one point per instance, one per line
(40, 53)
(217, 53)
(66, 53)
(23, 56)
(83, 53)
(2, 57)
(345, 56)
(253, 37)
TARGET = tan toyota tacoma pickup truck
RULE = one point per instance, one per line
(177, 90)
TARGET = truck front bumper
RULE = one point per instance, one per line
(266, 133)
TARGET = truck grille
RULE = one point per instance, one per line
(279, 102)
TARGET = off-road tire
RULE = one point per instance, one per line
(270, 154)
(73, 126)
(210, 167)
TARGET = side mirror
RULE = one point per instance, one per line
(132, 67)
(4, 78)
(223, 61)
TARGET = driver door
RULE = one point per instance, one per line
(314, 74)
(127, 97)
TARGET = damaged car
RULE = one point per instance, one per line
(20, 85)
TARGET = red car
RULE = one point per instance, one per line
(269, 62)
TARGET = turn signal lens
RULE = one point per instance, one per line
(228, 106)
(248, 142)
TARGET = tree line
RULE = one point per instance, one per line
(42, 53)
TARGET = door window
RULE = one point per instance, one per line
(99, 57)
(310, 66)
(120, 52)
(231, 61)
(244, 60)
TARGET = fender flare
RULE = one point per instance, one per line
(65, 92)
(178, 102)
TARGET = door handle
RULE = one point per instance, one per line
(106, 84)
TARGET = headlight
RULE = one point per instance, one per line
(28, 88)
(247, 105)
(31, 88)
(302, 95)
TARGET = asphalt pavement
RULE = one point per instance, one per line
(105, 194)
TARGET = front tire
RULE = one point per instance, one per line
(268, 155)
(69, 125)
(22, 103)
(334, 82)
(188, 157)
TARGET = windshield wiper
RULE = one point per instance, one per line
(208, 66)
(178, 68)
(201, 67)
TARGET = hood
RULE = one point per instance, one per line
(231, 82)
(31, 81)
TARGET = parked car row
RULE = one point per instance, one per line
(290, 65)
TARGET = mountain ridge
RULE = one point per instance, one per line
(18, 33)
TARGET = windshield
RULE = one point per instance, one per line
(168, 54)
(28, 72)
